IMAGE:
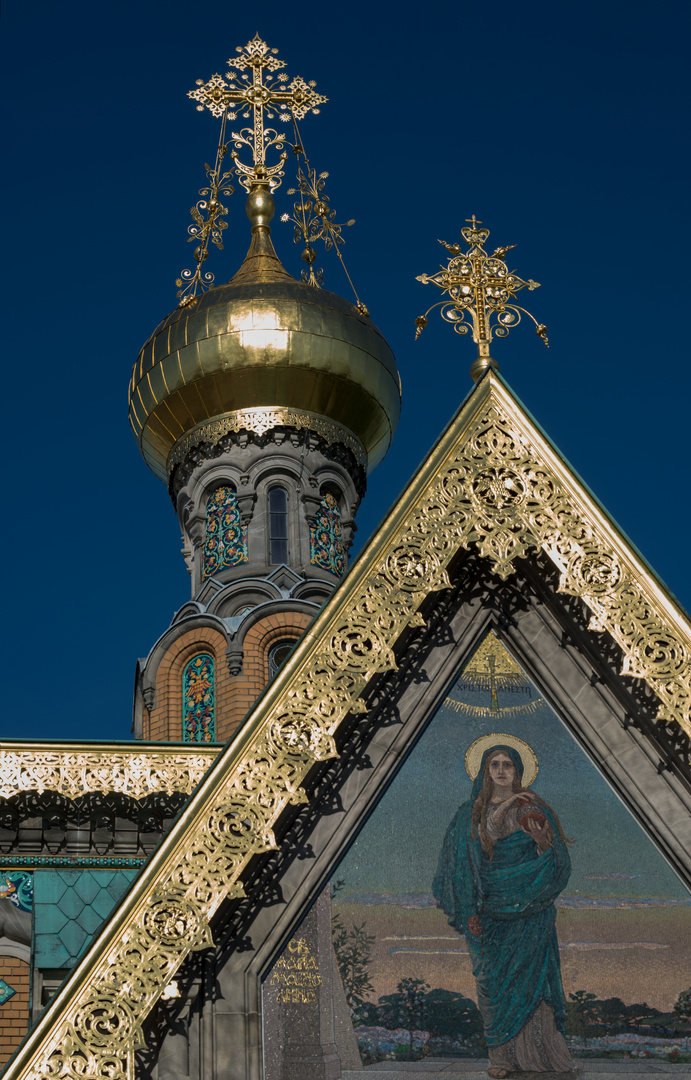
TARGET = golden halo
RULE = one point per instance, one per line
(474, 753)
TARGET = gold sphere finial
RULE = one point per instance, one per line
(482, 362)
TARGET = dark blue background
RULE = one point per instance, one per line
(563, 127)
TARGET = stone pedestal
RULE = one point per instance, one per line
(298, 1003)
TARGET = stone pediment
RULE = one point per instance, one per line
(494, 531)
(285, 579)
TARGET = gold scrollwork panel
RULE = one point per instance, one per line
(493, 482)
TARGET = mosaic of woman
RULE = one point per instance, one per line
(503, 863)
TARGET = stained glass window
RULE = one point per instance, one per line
(199, 700)
(278, 525)
(225, 543)
(326, 537)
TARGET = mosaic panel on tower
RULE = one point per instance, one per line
(326, 537)
(225, 542)
(199, 700)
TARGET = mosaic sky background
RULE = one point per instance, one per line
(398, 848)
(561, 127)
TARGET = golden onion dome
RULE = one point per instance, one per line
(263, 351)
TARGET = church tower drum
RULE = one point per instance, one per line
(263, 404)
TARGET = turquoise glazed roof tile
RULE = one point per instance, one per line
(70, 904)
(73, 937)
(69, 907)
(87, 887)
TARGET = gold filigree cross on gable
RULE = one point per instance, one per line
(254, 89)
(479, 294)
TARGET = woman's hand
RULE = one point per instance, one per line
(504, 808)
(520, 796)
(540, 833)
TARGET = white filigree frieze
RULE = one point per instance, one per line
(76, 773)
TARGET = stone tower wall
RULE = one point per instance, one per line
(248, 594)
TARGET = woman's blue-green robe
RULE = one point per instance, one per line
(515, 957)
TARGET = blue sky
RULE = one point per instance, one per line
(561, 127)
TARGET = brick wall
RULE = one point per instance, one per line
(165, 719)
(246, 687)
(234, 695)
(14, 1013)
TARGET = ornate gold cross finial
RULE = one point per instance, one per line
(247, 89)
(480, 294)
(253, 89)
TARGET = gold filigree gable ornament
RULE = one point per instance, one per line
(93, 1026)
(480, 294)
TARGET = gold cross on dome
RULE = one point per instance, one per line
(255, 88)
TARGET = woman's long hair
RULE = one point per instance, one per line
(479, 812)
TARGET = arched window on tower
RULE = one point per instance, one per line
(326, 536)
(278, 654)
(199, 700)
(225, 540)
(278, 525)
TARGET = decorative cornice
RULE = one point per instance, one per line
(75, 769)
(493, 482)
(261, 420)
(43, 862)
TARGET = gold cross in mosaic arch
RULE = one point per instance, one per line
(491, 660)
(492, 669)
(247, 89)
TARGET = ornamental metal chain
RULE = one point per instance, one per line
(314, 219)
(207, 225)
(480, 292)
